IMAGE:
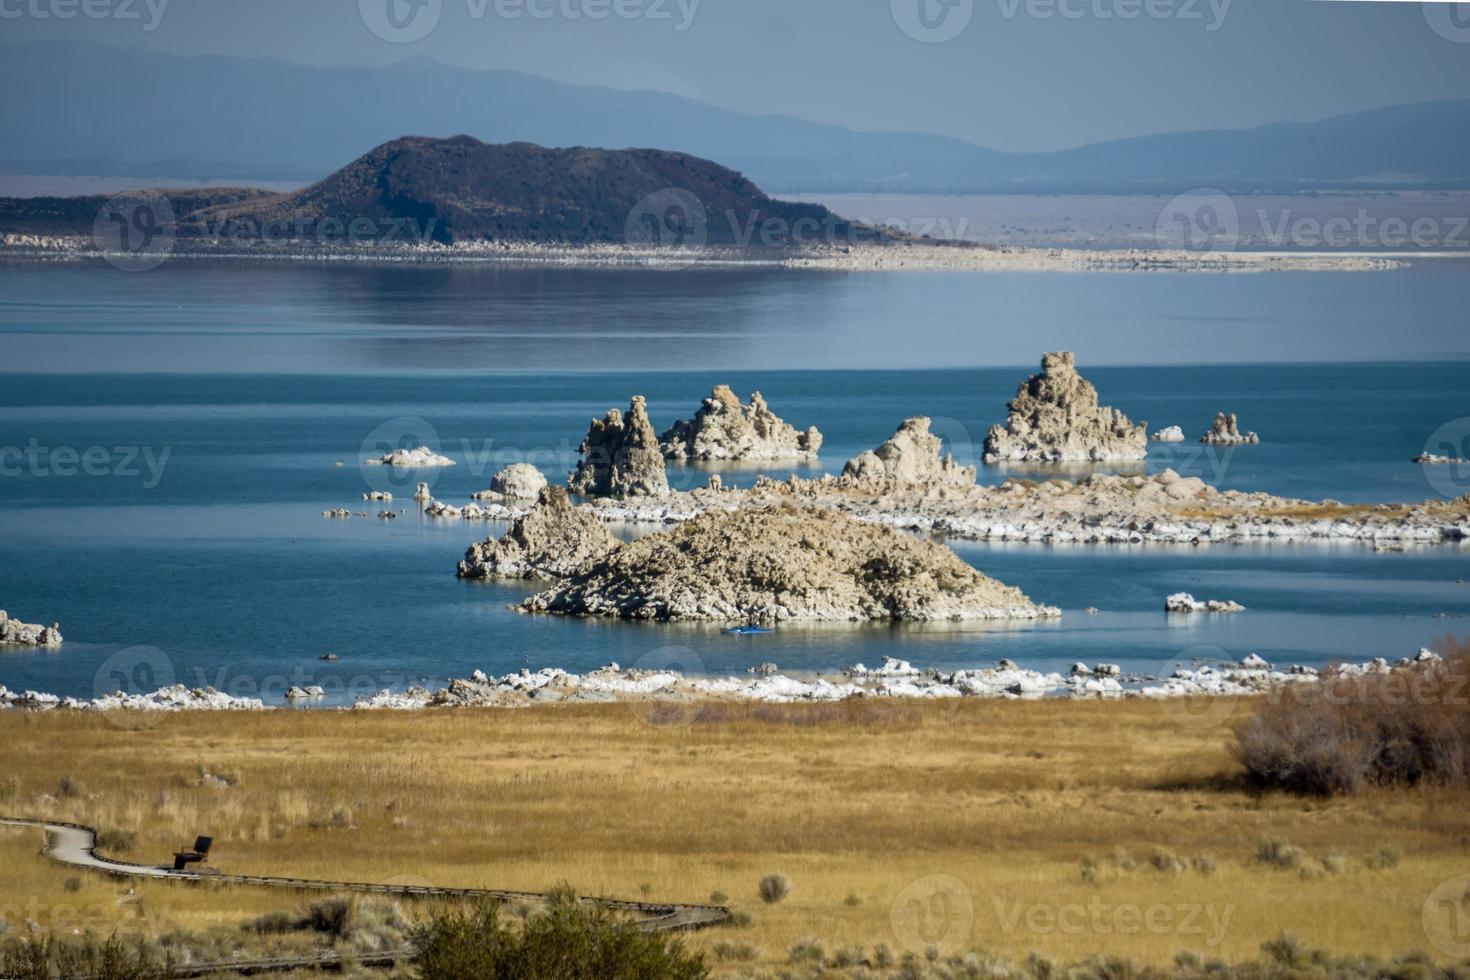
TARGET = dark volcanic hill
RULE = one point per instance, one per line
(461, 190)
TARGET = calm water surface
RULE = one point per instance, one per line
(246, 397)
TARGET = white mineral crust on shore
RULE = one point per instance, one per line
(1055, 418)
(724, 429)
(28, 634)
(614, 683)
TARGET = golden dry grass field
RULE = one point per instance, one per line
(961, 825)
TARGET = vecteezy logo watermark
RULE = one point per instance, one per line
(1187, 698)
(127, 462)
(404, 434)
(138, 918)
(401, 21)
(1449, 19)
(1446, 918)
(1210, 13)
(406, 21)
(1362, 229)
(135, 230)
(1201, 220)
(1446, 458)
(149, 12)
(673, 218)
(1097, 917)
(932, 21)
(133, 672)
(933, 913)
(655, 678)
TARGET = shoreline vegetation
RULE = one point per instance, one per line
(1109, 833)
(890, 257)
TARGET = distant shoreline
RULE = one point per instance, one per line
(920, 257)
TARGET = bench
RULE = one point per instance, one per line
(195, 855)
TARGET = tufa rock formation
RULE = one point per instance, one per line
(1170, 434)
(725, 429)
(518, 481)
(550, 541)
(27, 634)
(783, 563)
(620, 457)
(1226, 432)
(1055, 418)
(910, 456)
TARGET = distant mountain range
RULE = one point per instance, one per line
(92, 109)
(419, 189)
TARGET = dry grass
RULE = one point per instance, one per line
(1011, 799)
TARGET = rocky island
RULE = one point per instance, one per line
(724, 429)
(910, 457)
(1055, 418)
(1226, 432)
(621, 456)
(783, 563)
(551, 541)
(13, 631)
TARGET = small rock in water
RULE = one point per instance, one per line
(1226, 432)
(1171, 434)
(408, 459)
(1183, 602)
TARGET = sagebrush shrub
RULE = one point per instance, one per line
(568, 940)
(1404, 727)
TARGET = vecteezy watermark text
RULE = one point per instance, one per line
(127, 462)
(937, 21)
(407, 21)
(149, 12)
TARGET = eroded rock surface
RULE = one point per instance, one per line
(911, 456)
(783, 563)
(725, 429)
(1183, 602)
(28, 634)
(621, 457)
(1055, 418)
(1226, 432)
(518, 481)
(408, 459)
(551, 541)
(1171, 433)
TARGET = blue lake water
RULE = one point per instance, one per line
(220, 410)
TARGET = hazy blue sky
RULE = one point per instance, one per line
(1023, 74)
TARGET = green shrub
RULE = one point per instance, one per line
(718, 897)
(1166, 861)
(1279, 854)
(1204, 864)
(743, 952)
(332, 916)
(569, 940)
(110, 959)
(1334, 863)
(1387, 856)
(773, 888)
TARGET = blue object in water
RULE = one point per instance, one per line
(751, 630)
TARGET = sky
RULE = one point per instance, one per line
(1011, 74)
